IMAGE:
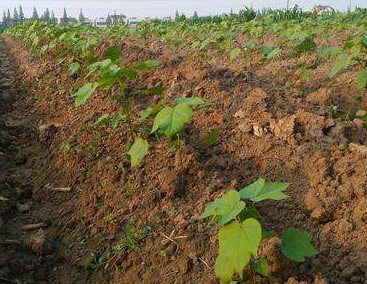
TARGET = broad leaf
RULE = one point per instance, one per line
(113, 53)
(249, 212)
(192, 101)
(327, 52)
(225, 208)
(261, 190)
(84, 93)
(73, 68)
(150, 111)
(296, 245)
(342, 63)
(114, 122)
(250, 45)
(234, 54)
(361, 113)
(265, 49)
(362, 79)
(138, 151)
(273, 53)
(261, 266)
(210, 138)
(237, 243)
(149, 64)
(172, 120)
(103, 119)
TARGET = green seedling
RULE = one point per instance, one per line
(241, 233)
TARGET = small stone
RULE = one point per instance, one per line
(5, 97)
(175, 88)
(39, 243)
(329, 123)
(320, 97)
(283, 128)
(23, 208)
(357, 148)
(245, 127)
(239, 114)
(359, 123)
(258, 130)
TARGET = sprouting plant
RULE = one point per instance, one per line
(241, 232)
(66, 147)
(111, 219)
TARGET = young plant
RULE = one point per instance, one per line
(241, 232)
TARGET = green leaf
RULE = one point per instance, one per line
(249, 212)
(306, 45)
(149, 64)
(138, 151)
(265, 49)
(225, 208)
(296, 245)
(73, 68)
(273, 53)
(261, 266)
(268, 234)
(114, 122)
(234, 54)
(150, 111)
(362, 79)
(361, 113)
(84, 93)
(210, 138)
(103, 119)
(172, 120)
(157, 90)
(237, 243)
(261, 190)
(327, 52)
(192, 101)
(342, 63)
(113, 53)
(250, 45)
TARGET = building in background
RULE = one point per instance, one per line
(118, 18)
(133, 21)
(319, 9)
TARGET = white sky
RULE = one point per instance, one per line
(161, 8)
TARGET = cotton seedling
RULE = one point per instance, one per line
(241, 233)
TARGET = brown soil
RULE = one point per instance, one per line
(266, 129)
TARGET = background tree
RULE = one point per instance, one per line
(21, 15)
(109, 20)
(53, 18)
(35, 14)
(15, 16)
(81, 16)
(5, 22)
(195, 15)
(46, 15)
(65, 17)
(9, 19)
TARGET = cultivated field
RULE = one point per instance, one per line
(228, 149)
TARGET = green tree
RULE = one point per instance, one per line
(195, 15)
(65, 19)
(21, 15)
(35, 14)
(81, 16)
(5, 22)
(109, 20)
(15, 16)
(46, 15)
(53, 18)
